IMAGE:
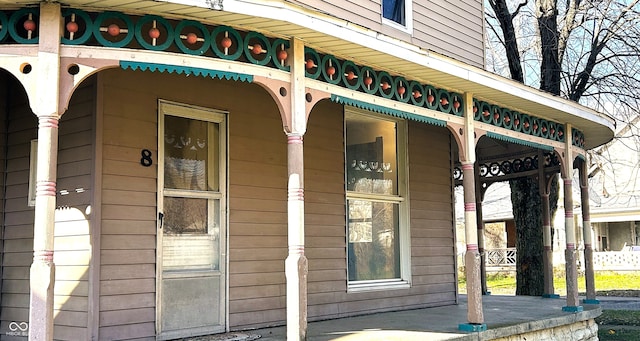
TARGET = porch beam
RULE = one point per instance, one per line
(475, 316)
(296, 265)
(45, 105)
(570, 233)
(587, 235)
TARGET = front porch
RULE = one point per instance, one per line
(505, 316)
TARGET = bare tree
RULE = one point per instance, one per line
(584, 50)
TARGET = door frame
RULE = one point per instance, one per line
(203, 114)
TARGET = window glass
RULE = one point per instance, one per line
(187, 154)
(373, 241)
(373, 201)
(394, 10)
(371, 155)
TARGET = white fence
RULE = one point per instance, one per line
(505, 259)
(616, 261)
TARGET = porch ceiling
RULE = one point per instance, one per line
(346, 40)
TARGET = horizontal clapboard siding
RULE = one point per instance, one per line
(21, 127)
(5, 85)
(18, 216)
(257, 212)
(452, 28)
(128, 208)
(432, 244)
(72, 231)
(432, 229)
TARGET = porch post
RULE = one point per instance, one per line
(547, 255)
(296, 267)
(475, 315)
(480, 224)
(587, 232)
(45, 106)
(570, 251)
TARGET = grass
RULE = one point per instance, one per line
(618, 334)
(613, 325)
(607, 283)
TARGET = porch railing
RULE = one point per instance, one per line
(500, 257)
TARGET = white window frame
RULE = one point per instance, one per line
(408, 16)
(402, 199)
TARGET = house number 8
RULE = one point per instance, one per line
(146, 158)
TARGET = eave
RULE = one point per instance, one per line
(346, 40)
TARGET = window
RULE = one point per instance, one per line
(397, 13)
(377, 228)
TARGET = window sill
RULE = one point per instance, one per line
(377, 285)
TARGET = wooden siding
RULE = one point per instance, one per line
(6, 83)
(452, 28)
(128, 207)
(21, 126)
(71, 238)
(432, 234)
(257, 198)
(257, 230)
(72, 231)
(257, 212)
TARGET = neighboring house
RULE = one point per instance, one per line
(179, 168)
(615, 179)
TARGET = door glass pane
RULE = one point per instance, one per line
(191, 234)
(185, 216)
(372, 165)
(189, 155)
(374, 245)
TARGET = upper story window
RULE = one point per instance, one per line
(397, 13)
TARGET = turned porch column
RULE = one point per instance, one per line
(547, 255)
(480, 223)
(296, 267)
(587, 235)
(475, 316)
(570, 233)
(45, 104)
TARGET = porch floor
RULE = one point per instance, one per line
(504, 316)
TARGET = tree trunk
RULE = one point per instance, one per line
(527, 215)
(525, 198)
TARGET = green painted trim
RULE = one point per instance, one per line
(387, 111)
(518, 141)
(186, 70)
(573, 309)
(472, 327)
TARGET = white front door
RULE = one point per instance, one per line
(191, 221)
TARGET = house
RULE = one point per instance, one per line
(615, 179)
(179, 168)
